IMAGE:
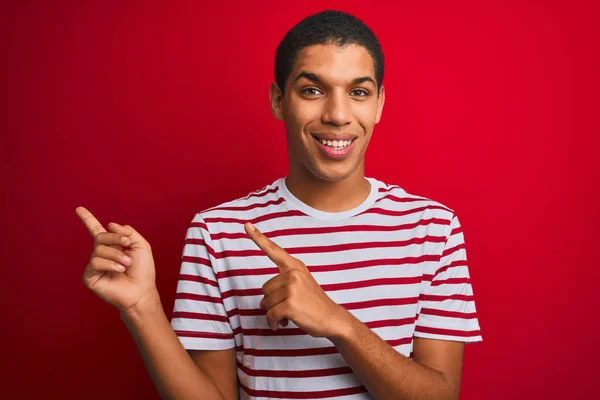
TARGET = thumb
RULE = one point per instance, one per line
(137, 240)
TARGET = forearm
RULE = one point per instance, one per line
(386, 373)
(172, 370)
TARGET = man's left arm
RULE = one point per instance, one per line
(433, 373)
(446, 320)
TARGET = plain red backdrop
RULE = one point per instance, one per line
(147, 114)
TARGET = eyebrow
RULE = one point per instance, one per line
(314, 78)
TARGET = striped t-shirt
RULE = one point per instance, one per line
(397, 262)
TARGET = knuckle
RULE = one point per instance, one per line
(271, 314)
(267, 286)
(295, 275)
(96, 228)
(291, 314)
(290, 290)
(95, 262)
(271, 247)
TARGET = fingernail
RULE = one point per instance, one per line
(120, 267)
(251, 227)
(124, 239)
(127, 259)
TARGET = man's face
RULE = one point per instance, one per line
(329, 109)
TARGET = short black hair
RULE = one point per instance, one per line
(326, 27)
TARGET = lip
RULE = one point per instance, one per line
(332, 153)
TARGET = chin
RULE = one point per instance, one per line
(332, 174)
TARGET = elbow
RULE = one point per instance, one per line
(451, 391)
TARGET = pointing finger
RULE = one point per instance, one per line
(91, 223)
(278, 255)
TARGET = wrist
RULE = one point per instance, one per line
(149, 305)
(342, 326)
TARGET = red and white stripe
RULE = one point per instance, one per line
(398, 264)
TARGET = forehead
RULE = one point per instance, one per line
(333, 63)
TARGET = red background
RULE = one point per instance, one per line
(148, 114)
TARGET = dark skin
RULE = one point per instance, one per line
(335, 95)
(333, 90)
(337, 105)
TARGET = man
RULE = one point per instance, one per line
(323, 284)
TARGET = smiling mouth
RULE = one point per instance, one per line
(334, 144)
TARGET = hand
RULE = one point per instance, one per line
(295, 295)
(121, 268)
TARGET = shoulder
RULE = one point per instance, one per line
(395, 197)
(267, 196)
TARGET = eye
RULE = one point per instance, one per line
(311, 91)
(362, 93)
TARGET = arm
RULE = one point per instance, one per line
(173, 371)
(447, 319)
(121, 272)
(447, 312)
(434, 372)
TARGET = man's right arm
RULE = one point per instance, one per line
(177, 374)
(121, 272)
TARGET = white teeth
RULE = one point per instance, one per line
(339, 144)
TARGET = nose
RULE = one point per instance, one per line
(336, 109)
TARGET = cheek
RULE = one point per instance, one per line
(299, 116)
(366, 116)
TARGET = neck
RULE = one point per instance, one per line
(328, 196)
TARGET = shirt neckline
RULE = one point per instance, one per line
(330, 216)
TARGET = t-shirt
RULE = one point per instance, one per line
(397, 262)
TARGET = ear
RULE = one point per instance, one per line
(380, 102)
(276, 98)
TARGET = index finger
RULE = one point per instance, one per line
(91, 223)
(278, 255)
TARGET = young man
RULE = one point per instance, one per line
(323, 284)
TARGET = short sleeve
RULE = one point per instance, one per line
(447, 304)
(199, 317)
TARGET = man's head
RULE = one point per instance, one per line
(328, 86)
